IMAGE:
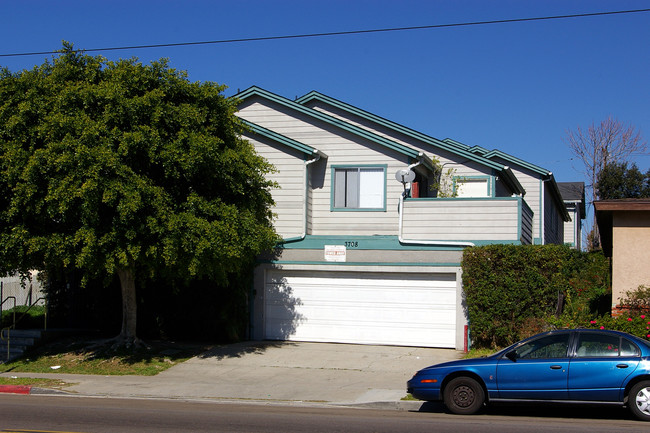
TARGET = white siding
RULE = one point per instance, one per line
(532, 185)
(342, 149)
(572, 230)
(461, 219)
(290, 197)
(459, 166)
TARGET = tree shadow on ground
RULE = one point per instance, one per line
(238, 350)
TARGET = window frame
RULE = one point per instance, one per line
(596, 349)
(359, 168)
(459, 180)
(533, 343)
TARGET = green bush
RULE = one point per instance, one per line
(635, 324)
(637, 301)
(25, 317)
(514, 291)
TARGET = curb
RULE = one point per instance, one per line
(15, 389)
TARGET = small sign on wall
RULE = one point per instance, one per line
(335, 253)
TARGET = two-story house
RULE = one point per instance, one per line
(375, 217)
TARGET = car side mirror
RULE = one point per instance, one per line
(512, 355)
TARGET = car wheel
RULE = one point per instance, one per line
(464, 396)
(639, 400)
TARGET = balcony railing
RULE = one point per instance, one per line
(490, 220)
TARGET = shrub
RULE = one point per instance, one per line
(637, 301)
(513, 291)
(635, 324)
(26, 317)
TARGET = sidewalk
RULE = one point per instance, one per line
(271, 371)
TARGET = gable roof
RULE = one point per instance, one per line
(505, 171)
(390, 144)
(573, 192)
(545, 174)
(307, 150)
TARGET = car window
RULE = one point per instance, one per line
(552, 346)
(628, 348)
(590, 345)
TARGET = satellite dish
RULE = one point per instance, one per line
(405, 176)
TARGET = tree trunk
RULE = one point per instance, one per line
(129, 306)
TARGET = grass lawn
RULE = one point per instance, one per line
(34, 381)
(87, 356)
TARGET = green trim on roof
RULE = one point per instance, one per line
(281, 138)
(449, 146)
(456, 143)
(314, 95)
(518, 161)
(546, 174)
(256, 91)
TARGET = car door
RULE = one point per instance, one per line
(601, 364)
(536, 369)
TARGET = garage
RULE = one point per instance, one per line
(406, 309)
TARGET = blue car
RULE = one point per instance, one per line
(572, 365)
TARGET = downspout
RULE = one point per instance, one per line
(289, 240)
(422, 242)
(304, 204)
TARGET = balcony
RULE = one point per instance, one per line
(476, 220)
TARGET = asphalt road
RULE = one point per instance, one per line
(100, 415)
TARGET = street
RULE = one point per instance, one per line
(103, 415)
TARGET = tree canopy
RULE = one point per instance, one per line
(120, 168)
(610, 141)
(617, 181)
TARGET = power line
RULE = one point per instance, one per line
(341, 33)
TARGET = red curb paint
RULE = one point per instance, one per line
(15, 389)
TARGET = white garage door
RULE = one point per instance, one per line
(362, 308)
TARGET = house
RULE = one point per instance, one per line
(624, 227)
(375, 217)
(573, 194)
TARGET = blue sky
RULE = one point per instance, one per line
(516, 87)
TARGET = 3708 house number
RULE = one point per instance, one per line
(351, 244)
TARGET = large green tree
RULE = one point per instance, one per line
(617, 181)
(128, 170)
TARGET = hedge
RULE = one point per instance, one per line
(514, 291)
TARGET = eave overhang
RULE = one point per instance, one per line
(413, 154)
(447, 145)
(272, 135)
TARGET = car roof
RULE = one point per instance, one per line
(645, 344)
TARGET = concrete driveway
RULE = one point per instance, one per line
(274, 371)
(318, 372)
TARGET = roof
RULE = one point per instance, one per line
(451, 146)
(390, 144)
(545, 174)
(308, 150)
(605, 216)
(573, 192)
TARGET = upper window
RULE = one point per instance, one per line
(598, 345)
(472, 187)
(360, 188)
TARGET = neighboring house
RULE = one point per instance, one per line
(375, 217)
(573, 194)
(624, 227)
(16, 291)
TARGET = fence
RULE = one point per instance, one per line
(24, 291)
